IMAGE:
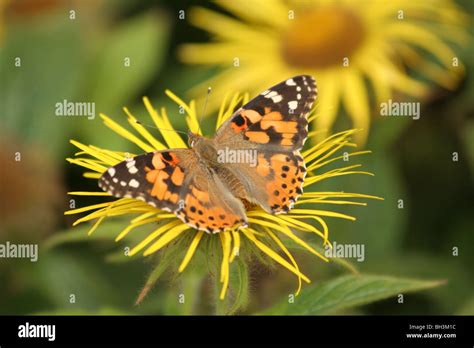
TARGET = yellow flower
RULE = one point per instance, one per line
(263, 227)
(351, 47)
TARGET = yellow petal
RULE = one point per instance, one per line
(192, 248)
(155, 234)
(263, 12)
(125, 133)
(328, 105)
(88, 193)
(322, 213)
(225, 241)
(287, 252)
(143, 132)
(236, 248)
(166, 238)
(249, 233)
(356, 102)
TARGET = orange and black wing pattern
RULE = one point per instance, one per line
(274, 124)
(172, 180)
(156, 178)
(276, 117)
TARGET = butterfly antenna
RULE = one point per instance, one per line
(209, 90)
(160, 129)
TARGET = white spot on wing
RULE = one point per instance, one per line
(278, 98)
(293, 104)
(271, 94)
(290, 82)
(133, 183)
(111, 171)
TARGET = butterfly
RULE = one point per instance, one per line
(253, 159)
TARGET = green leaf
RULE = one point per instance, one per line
(348, 291)
(168, 256)
(467, 308)
(62, 273)
(191, 286)
(343, 263)
(128, 60)
(105, 231)
(73, 312)
(468, 133)
(386, 184)
(51, 58)
(240, 285)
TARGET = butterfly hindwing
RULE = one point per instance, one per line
(208, 205)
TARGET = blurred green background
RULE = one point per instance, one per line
(81, 60)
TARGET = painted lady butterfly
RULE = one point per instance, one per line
(210, 194)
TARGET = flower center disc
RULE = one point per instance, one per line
(323, 37)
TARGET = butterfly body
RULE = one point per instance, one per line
(253, 159)
(205, 149)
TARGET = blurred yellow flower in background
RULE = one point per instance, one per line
(265, 231)
(353, 48)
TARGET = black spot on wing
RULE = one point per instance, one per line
(238, 120)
